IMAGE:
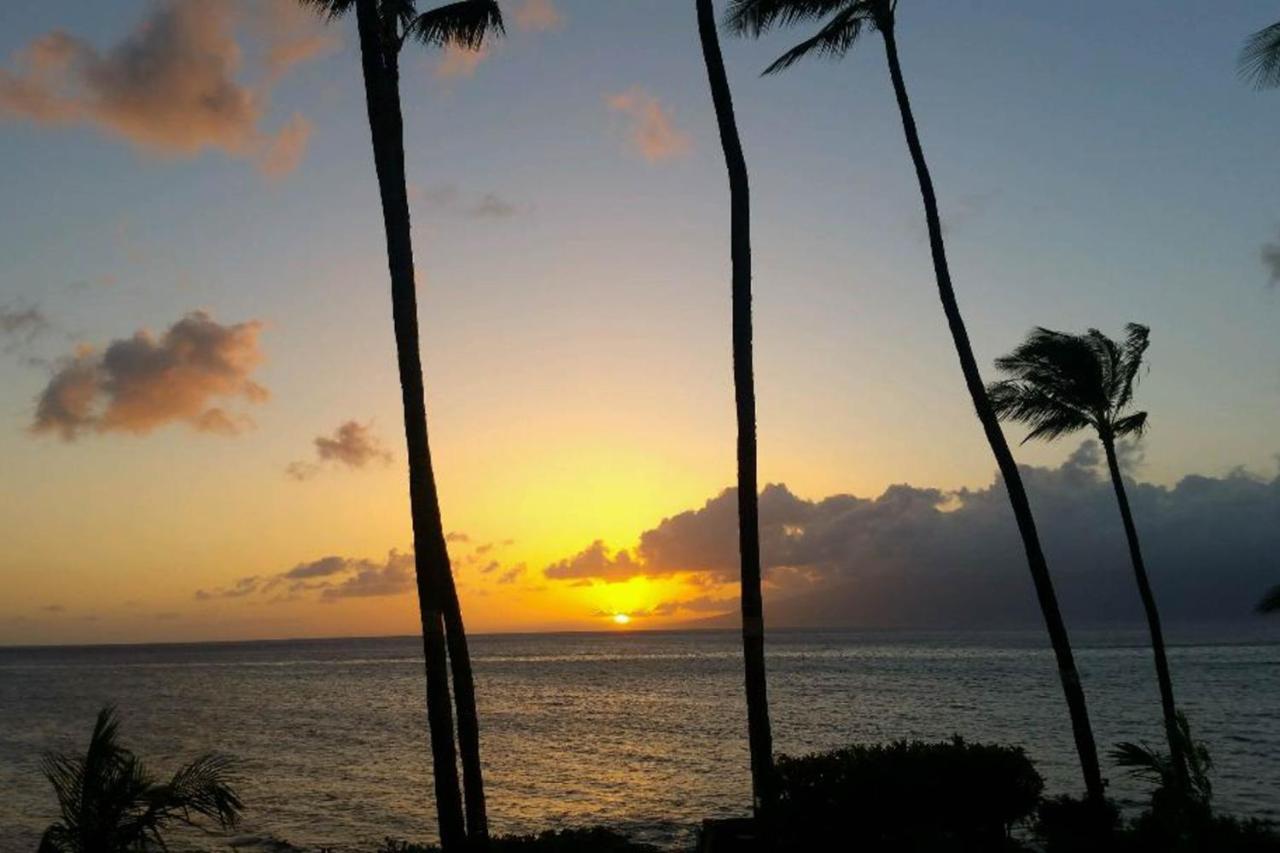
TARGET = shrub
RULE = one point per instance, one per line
(907, 796)
(1068, 825)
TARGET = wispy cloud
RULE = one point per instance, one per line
(538, 16)
(456, 61)
(651, 132)
(447, 198)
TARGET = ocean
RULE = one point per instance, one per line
(641, 731)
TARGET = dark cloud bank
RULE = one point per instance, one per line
(917, 557)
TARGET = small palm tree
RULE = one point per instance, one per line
(1061, 383)
(110, 804)
(1182, 782)
(759, 734)
(384, 27)
(844, 23)
(1259, 61)
(1270, 602)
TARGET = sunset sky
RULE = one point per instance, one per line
(200, 427)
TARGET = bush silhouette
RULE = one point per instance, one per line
(907, 796)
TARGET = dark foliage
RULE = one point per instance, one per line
(110, 803)
(907, 796)
(1071, 825)
(594, 839)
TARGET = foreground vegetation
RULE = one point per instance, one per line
(958, 797)
(903, 797)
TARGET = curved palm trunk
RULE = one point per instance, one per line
(464, 695)
(382, 98)
(1085, 745)
(1167, 704)
(760, 737)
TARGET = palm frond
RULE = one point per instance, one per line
(756, 17)
(1135, 425)
(832, 41)
(463, 24)
(1270, 602)
(1050, 417)
(1149, 764)
(330, 9)
(203, 787)
(1061, 382)
(108, 801)
(1259, 61)
(1136, 340)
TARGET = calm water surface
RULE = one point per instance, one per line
(641, 731)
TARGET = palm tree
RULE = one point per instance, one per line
(1259, 61)
(847, 20)
(759, 735)
(1061, 383)
(109, 803)
(384, 26)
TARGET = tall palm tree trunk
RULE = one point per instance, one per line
(464, 695)
(759, 736)
(1085, 745)
(1167, 704)
(382, 98)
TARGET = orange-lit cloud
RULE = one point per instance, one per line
(928, 558)
(352, 445)
(170, 86)
(652, 132)
(538, 16)
(140, 383)
(457, 61)
(331, 577)
(290, 33)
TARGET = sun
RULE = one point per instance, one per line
(621, 619)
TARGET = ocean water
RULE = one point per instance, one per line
(642, 731)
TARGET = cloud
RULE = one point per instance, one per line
(449, 199)
(652, 131)
(22, 322)
(457, 61)
(393, 577)
(240, 589)
(140, 383)
(322, 568)
(334, 577)
(169, 87)
(455, 536)
(290, 34)
(1270, 255)
(512, 574)
(538, 16)
(595, 562)
(54, 608)
(352, 445)
(925, 557)
(20, 327)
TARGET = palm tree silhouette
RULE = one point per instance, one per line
(1259, 61)
(759, 735)
(384, 27)
(109, 803)
(846, 21)
(1060, 383)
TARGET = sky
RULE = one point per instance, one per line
(200, 428)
